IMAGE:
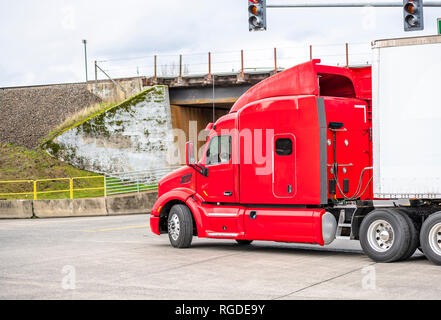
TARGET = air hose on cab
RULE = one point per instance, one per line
(334, 127)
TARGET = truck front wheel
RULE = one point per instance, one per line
(385, 235)
(430, 238)
(180, 226)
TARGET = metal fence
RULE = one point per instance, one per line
(84, 187)
(235, 61)
(60, 187)
(136, 181)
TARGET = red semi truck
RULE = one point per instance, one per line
(318, 153)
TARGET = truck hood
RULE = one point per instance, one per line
(181, 178)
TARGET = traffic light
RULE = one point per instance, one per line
(413, 15)
(257, 15)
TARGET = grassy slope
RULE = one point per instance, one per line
(78, 118)
(89, 113)
(19, 163)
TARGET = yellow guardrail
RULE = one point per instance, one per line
(36, 184)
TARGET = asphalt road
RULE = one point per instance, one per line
(119, 258)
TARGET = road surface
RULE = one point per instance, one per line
(119, 258)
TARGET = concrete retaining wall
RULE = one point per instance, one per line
(138, 203)
(70, 208)
(107, 91)
(135, 135)
(30, 113)
(16, 209)
(141, 203)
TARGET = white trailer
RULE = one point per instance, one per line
(406, 111)
(406, 76)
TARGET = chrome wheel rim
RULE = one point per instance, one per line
(381, 235)
(435, 238)
(174, 227)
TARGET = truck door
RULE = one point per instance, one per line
(284, 162)
(219, 185)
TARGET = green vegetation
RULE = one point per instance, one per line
(19, 163)
(78, 118)
(38, 165)
(26, 165)
(96, 115)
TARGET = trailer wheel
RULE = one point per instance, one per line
(180, 226)
(244, 242)
(414, 237)
(385, 235)
(430, 238)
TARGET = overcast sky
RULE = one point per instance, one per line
(41, 40)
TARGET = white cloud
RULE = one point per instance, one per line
(43, 38)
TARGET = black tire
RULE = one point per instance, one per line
(431, 224)
(414, 237)
(181, 214)
(244, 242)
(402, 237)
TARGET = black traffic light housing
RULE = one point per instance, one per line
(413, 15)
(257, 15)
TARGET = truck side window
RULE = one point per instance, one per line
(284, 147)
(219, 150)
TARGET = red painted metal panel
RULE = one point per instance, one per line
(221, 219)
(171, 184)
(286, 225)
(353, 147)
(284, 171)
(180, 194)
(298, 80)
(303, 79)
(286, 115)
(154, 224)
(222, 178)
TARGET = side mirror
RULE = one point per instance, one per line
(189, 150)
(191, 161)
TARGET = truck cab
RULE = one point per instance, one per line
(267, 169)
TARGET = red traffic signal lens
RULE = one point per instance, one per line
(410, 8)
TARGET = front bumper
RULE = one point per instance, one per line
(154, 224)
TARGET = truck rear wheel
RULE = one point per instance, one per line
(414, 237)
(430, 238)
(180, 226)
(385, 235)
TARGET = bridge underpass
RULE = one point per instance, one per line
(194, 103)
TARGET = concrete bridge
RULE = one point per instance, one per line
(205, 98)
(197, 99)
(135, 139)
(198, 90)
(29, 112)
